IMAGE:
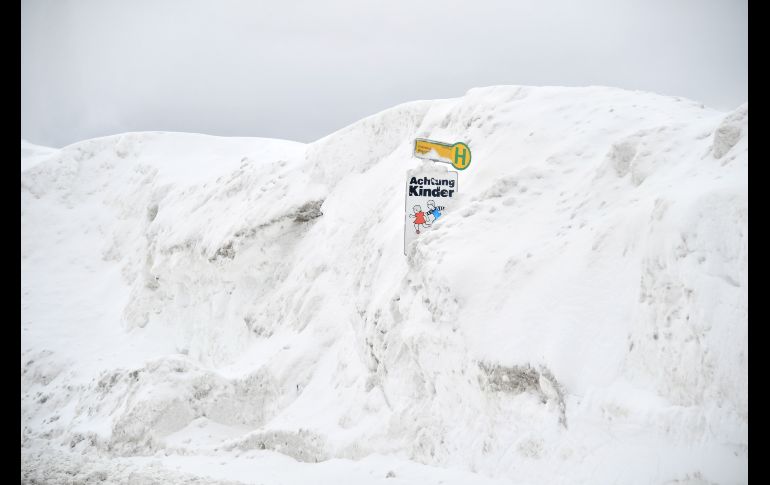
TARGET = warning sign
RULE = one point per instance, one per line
(430, 192)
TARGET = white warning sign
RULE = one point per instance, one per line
(430, 191)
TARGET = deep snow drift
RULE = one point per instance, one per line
(223, 310)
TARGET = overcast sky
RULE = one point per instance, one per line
(302, 69)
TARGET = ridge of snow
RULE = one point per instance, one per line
(585, 304)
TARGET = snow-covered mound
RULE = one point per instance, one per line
(241, 310)
(32, 154)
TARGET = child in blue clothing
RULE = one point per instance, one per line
(433, 211)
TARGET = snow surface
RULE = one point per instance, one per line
(199, 309)
(32, 154)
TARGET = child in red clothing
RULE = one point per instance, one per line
(419, 218)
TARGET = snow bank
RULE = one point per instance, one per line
(580, 316)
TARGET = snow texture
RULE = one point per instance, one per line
(205, 310)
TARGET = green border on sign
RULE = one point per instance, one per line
(434, 142)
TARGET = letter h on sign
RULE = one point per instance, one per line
(460, 156)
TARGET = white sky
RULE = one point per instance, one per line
(302, 69)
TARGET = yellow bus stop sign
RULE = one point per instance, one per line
(458, 154)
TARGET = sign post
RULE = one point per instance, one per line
(431, 189)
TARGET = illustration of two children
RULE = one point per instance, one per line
(426, 218)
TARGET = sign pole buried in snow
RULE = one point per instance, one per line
(430, 191)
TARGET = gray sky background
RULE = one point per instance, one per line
(300, 70)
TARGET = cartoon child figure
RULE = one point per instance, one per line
(419, 218)
(434, 212)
